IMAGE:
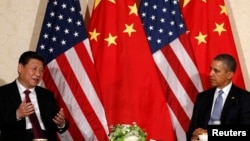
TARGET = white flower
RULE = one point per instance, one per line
(131, 138)
(127, 132)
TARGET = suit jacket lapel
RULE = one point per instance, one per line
(209, 105)
(14, 94)
(39, 98)
(232, 95)
(16, 100)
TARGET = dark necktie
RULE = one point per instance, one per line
(34, 121)
(216, 114)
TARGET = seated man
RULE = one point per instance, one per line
(234, 103)
(22, 101)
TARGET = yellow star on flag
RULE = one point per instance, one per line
(201, 38)
(129, 29)
(97, 2)
(219, 28)
(113, 1)
(111, 39)
(93, 35)
(223, 9)
(133, 9)
(185, 2)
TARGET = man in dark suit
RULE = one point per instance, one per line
(235, 101)
(15, 110)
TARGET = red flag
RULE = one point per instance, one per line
(210, 34)
(174, 58)
(70, 71)
(130, 85)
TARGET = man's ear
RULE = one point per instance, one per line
(19, 68)
(230, 75)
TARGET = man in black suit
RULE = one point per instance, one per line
(15, 110)
(235, 103)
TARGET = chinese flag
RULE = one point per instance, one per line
(210, 33)
(130, 84)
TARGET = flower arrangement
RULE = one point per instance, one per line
(127, 132)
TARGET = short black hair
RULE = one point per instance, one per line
(228, 60)
(26, 56)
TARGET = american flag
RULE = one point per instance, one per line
(70, 71)
(174, 58)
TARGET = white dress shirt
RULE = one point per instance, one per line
(33, 99)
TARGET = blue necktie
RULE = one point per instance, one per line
(215, 116)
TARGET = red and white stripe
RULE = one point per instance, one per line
(71, 76)
(182, 82)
